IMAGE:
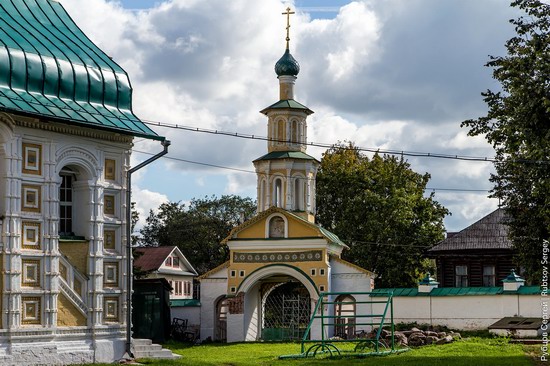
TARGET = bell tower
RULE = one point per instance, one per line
(286, 174)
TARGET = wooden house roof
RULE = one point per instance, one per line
(152, 258)
(490, 232)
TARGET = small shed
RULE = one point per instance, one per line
(151, 309)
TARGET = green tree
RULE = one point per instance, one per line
(517, 124)
(378, 207)
(198, 229)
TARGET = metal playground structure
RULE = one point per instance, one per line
(356, 321)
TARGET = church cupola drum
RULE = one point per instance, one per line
(286, 174)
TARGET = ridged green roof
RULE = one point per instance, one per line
(286, 155)
(457, 291)
(50, 69)
(287, 104)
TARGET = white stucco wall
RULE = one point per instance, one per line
(191, 313)
(347, 278)
(235, 328)
(212, 289)
(252, 315)
(462, 312)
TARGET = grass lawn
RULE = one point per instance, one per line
(473, 351)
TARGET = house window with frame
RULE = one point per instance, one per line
(175, 262)
(178, 288)
(168, 262)
(68, 178)
(489, 275)
(461, 276)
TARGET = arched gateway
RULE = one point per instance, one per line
(280, 260)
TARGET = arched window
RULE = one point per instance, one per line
(278, 192)
(296, 128)
(277, 227)
(221, 320)
(281, 131)
(262, 198)
(66, 198)
(344, 322)
(299, 193)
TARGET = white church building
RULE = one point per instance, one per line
(66, 132)
(280, 260)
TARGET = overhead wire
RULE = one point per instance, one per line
(327, 145)
(288, 177)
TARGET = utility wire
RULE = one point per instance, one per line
(326, 145)
(253, 172)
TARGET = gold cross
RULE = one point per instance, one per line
(287, 13)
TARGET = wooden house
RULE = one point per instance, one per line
(480, 255)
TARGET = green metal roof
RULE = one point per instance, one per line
(184, 303)
(513, 277)
(428, 280)
(50, 69)
(286, 155)
(457, 291)
(287, 104)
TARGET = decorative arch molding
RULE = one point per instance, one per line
(268, 222)
(6, 127)
(278, 269)
(79, 157)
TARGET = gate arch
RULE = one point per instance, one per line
(279, 269)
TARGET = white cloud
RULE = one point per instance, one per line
(146, 200)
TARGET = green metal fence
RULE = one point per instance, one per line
(372, 339)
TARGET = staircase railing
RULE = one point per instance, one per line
(73, 284)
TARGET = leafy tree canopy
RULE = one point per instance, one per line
(198, 229)
(517, 124)
(378, 207)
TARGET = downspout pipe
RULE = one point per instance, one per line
(129, 272)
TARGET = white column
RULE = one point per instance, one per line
(49, 238)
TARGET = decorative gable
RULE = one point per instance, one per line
(278, 224)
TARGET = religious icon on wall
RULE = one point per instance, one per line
(110, 166)
(277, 227)
(109, 205)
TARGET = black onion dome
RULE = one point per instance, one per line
(287, 65)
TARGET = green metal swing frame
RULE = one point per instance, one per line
(363, 347)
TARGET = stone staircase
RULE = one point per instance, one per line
(145, 348)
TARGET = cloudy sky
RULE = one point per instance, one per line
(388, 74)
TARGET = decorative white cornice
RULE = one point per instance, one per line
(71, 130)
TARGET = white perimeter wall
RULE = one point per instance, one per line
(211, 290)
(462, 312)
(191, 313)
